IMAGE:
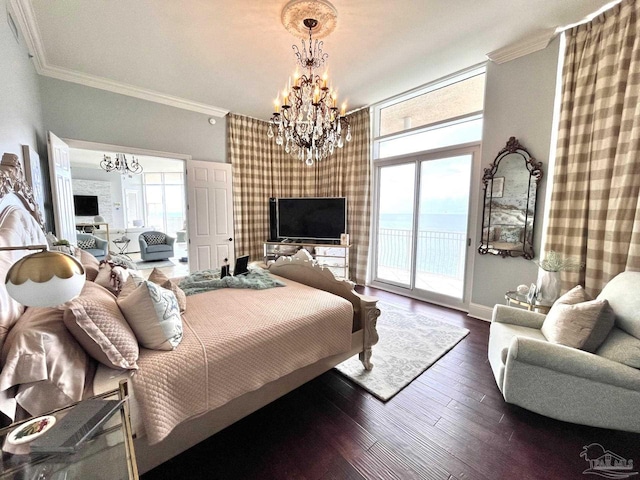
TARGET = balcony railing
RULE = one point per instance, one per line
(440, 253)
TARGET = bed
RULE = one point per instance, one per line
(237, 350)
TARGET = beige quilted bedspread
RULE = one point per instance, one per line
(234, 342)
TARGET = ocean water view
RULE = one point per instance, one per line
(440, 222)
(440, 248)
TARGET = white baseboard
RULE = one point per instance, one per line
(481, 312)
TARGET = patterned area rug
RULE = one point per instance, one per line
(409, 344)
(142, 265)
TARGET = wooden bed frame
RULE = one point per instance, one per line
(364, 336)
(197, 429)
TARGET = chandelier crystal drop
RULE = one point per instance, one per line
(120, 164)
(306, 121)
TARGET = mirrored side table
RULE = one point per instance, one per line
(108, 454)
(122, 243)
(514, 298)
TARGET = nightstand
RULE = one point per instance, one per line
(109, 454)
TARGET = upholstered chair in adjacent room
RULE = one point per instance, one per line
(155, 245)
(94, 245)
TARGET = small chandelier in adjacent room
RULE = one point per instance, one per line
(307, 121)
(120, 164)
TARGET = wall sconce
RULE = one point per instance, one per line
(45, 278)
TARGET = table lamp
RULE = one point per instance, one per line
(45, 278)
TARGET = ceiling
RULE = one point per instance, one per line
(216, 56)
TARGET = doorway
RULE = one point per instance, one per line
(422, 225)
(133, 203)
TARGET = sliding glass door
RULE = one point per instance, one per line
(395, 237)
(422, 228)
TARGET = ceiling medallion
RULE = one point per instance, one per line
(306, 119)
(296, 12)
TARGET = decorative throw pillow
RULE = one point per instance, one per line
(120, 260)
(159, 278)
(87, 243)
(89, 262)
(44, 361)
(153, 314)
(129, 286)
(621, 347)
(577, 322)
(112, 277)
(181, 297)
(155, 238)
(95, 320)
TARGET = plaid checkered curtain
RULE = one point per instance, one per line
(595, 204)
(348, 174)
(262, 170)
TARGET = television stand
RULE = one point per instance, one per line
(333, 257)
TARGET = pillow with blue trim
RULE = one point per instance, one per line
(153, 314)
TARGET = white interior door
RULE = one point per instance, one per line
(210, 214)
(62, 193)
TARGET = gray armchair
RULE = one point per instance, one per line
(155, 245)
(94, 245)
(601, 389)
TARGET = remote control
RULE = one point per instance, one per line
(75, 427)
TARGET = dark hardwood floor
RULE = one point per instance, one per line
(450, 423)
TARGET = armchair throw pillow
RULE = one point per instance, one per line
(155, 238)
(87, 244)
(575, 320)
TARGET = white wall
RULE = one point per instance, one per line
(85, 113)
(519, 102)
(21, 121)
(110, 201)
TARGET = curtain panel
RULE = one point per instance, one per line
(595, 203)
(262, 170)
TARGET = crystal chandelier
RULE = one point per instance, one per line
(120, 164)
(306, 120)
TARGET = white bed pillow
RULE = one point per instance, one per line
(154, 316)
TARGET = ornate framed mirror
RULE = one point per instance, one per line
(510, 186)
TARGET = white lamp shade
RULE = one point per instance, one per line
(45, 279)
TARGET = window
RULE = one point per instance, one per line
(440, 103)
(426, 144)
(444, 114)
(164, 196)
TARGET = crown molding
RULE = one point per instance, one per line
(131, 91)
(23, 13)
(523, 47)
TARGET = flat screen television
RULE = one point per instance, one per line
(85, 205)
(311, 218)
